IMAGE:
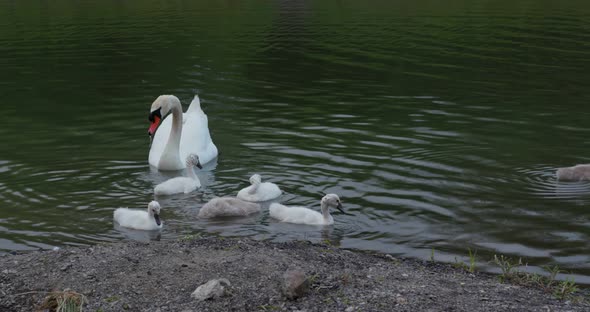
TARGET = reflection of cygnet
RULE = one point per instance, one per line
(575, 173)
(140, 219)
(227, 207)
(303, 215)
(258, 191)
(182, 184)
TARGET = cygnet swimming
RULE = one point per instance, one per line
(575, 173)
(140, 219)
(303, 215)
(259, 191)
(182, 184)
(227, 207)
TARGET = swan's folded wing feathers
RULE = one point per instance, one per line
(195, 105)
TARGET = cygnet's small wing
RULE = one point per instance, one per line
(191, 185)
(295, 214)
(269, 191)
(228, 207)
(265, 191)
(135, 219)
(244, 194)
(176, 185)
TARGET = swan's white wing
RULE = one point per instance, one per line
(195, 105)
(196, 138)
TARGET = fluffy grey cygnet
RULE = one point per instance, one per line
(227, 207)
(575, 173)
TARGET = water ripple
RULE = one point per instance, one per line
(439, 126)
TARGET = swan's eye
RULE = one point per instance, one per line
(155, 114)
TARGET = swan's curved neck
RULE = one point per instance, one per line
(254, 187)
(170, 158)
(190, 171)
(325, 211)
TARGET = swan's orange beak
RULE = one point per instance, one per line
(155, 118)
(153, 126)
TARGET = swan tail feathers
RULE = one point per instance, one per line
(195, 104)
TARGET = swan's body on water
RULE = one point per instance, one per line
(304, 215)
(227, 207)
(139, 219)
(174, 138)
(575, 173)
(259, 191)
(182, 184)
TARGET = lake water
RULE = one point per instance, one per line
(440, 125)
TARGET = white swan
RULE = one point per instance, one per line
(575, 173)
(140, 219)
(228, 207)
(177, 137)
(258, 191)
(182, 184)
(302, 215)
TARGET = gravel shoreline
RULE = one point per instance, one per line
(160, 276)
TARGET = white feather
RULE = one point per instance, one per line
(181, 184)
(259, 191)
(303, 215)
(296, 214)
(177, 185)
(139, 219)
(194, 138)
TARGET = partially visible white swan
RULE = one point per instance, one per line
(182, 184)
(258, 191)
(575, 173)
(140, 219)
(227, 207)
(177, 137)
(303, 215)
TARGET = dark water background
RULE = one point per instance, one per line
(439, 123)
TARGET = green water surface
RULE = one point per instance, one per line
(439, 123)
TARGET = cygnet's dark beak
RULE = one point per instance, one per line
(199, 165)
(157, 217)
(339, 207)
